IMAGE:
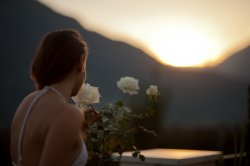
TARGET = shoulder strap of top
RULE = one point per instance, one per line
(19, 150)
(56, 91)
(43, 91)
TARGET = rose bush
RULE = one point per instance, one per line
(114, 132)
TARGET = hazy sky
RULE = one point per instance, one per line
(176, 32)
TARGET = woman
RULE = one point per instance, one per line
(46, 129)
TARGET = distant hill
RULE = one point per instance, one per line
(204, 96)
(237, 66)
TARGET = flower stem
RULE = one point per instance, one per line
(103, 142)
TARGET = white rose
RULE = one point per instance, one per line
(128, 85)
(152, 90)
(87, 95)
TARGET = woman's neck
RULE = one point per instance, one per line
(65, 88)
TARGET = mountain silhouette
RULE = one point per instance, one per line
(236, 67)
(204, 95)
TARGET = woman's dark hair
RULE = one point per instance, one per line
(57, 55)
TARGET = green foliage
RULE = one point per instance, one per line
(114, 133)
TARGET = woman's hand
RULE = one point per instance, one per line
(91, 116)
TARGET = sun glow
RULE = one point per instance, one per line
(184, 46)
(179, 33)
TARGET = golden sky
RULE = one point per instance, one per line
(181, 33)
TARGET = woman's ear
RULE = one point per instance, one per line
(81, 65)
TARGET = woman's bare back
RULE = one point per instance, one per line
(45, 112)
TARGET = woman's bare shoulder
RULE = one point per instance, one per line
(70, 114)
(28, 97)
(25, 102)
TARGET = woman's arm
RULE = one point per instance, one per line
(62, 138)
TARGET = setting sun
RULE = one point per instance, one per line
(183, 46)
(179, 33)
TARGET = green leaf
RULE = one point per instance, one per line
(148, 131)
(141, 157)
(119, 103)
(135, 154)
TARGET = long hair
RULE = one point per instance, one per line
(56, 56)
